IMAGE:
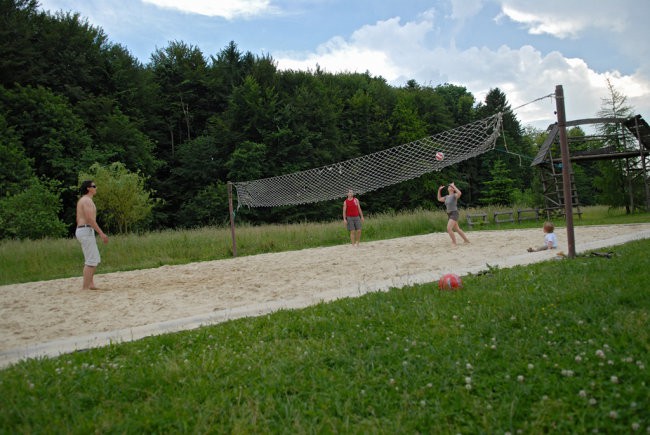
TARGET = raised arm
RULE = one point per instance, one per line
(458, 193)
(440, 197)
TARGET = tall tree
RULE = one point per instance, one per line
(179, 70)
(615, 182)
(15, 166)
(20, 60)
(229, 69)
(116, 137)
(459, 101)
(511, 146)
(53, 136)
(499, 189)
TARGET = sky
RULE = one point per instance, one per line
(523, 47)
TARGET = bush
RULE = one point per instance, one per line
(32, 214)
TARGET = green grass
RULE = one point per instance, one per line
(554, 347)
(26, 261)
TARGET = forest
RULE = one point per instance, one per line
(163, 139)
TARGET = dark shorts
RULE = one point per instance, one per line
(354, 223)
(453, 215)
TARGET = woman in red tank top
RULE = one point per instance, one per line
(352, 217)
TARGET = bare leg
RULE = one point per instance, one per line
(462, 234)
(450, 231)
(352, 237)
(358, 236)
(89, 273)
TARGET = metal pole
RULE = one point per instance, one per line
(232, 220)
(566, 170)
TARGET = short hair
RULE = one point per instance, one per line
(549, 227)
(84, 187)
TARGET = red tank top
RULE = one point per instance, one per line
(351, 207)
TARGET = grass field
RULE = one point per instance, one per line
(555, 347)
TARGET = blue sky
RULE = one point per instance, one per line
(523, 47)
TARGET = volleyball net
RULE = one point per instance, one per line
(373, 171)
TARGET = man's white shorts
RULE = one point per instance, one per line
(86, 236)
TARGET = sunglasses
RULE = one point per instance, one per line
(93, 186)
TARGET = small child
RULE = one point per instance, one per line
(550, 241)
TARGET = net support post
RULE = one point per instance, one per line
(566, 170)
(232, 220)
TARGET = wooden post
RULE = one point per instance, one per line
(644, 170)
(232, 220)
(566, 170)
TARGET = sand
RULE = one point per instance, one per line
(49, 318)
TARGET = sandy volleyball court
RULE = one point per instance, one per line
(53, 317)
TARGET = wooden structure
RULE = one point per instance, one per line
(476, 219)
(627, 138)
(525, 214)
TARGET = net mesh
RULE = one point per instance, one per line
(373, 171)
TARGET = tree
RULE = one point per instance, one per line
(365, 127)
(180, 72)
(15, 166)
(53, 137)
(122, 201)
(406, 121)
(613, 106)
(499, 190)
(116, 137)
(33, 213)
(459, 102)
(511, 147)
(208, 207)
(247, 162)
(16, 40)
(613, 181)
(227, 71)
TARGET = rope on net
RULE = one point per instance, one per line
(373, 171)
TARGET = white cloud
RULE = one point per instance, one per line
(621, 24)
(386, 48)
(399, 52)
(564, 19)
(217, 8)
(463, 9)
(339, 56)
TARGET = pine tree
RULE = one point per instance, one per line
(498, 190)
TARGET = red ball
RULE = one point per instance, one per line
(450, 281)
(440, 156)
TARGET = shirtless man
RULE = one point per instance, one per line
(86, 228)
